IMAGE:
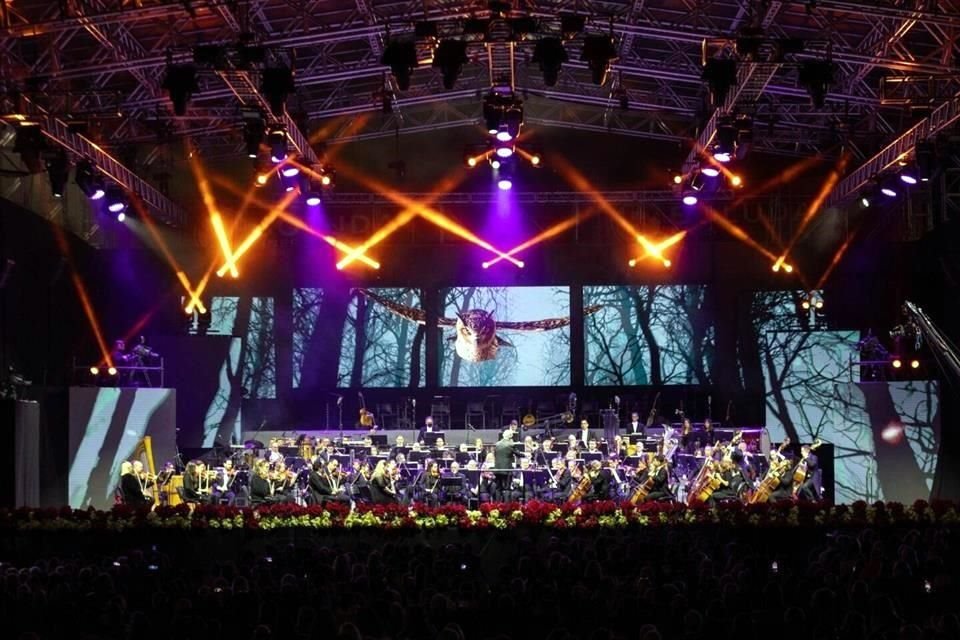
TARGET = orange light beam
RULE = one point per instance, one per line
(456, 228)
(814, 208)
(195, 301)
(221, 234)
(378, 236)
(785, 177)
(257, 231)
(656, 249)
(730, 227)
(556, 229)
(835, 260)
(337, 244)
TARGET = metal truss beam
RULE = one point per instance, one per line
(938, 120)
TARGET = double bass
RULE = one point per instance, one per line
(800, 473)
(770, 481)
(366, 417)
(582, 489)
(647, 485)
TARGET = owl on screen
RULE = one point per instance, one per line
(476, 337)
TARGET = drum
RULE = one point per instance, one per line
(170, 496)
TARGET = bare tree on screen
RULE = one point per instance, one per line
(614, 354)
(322, 350)
(260, 359)
(306, 308)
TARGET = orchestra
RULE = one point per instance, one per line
(689, 465)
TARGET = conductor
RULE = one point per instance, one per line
(503, 458)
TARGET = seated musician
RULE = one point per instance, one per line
(194, 479)
(784, 489)
(222, 489)
(522, 487)
(261, 488)
(327, 483)
(661, 483)
(382, 488)
(284, 482)
(131, 490)
(592, 446)
(599, 482)
(430, 484)
(560, 483)
(572, 443)
(274, 456)
(729, 482)
(810, 487)
(453, 492)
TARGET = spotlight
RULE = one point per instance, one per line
(494, 163)
(535, 159)
(327, 177)
(181, 83)
(504, 136)
(471, 161)
(925, 156)
(112, 371)
(722, 156)
(58, 170)
(909, 175)
(690, 199)
(504, 150)
(864, 201)
(401, 57)
(710, 171)
(787, 267)
(805, 304)
(726, 140)
(736, 181)
(720, 75)
(262, 179)
(889, 189)
(449, 57)
(253, 134)
(276, 84)
(89, 180)
(30, 143)
(896, 363)
(550, 55)
(290, 171)
(776, 266)
(313, 199)
(95, 370)
(116, 201)
(277, 141)
(598, 53)
(677, 179)
(816, 76)
(914, 364)
(505, 184)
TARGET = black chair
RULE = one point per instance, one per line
(475, 410)
(440, 410)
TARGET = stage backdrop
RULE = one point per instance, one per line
(106, 424)
(504, 336)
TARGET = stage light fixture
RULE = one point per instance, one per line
(95, 371)
(805, 304)
(290, 171)
(909, 175)
(58, 170)
(116, 201)
(736, 181)
(276, 84)
(896, 363)
(726, 144)
(550, 55)
(816, 76)
(914, 364)
(889, 189)
(180, 83)
(505, 184)
(30, 144)
(261, 179)
(504, 150)
(277, 141)
(449, 57)
(571, 24)
(925, 156)
(313, 199)
(89, 180)
(710, 171)
(401, 57)
(720, 75)
(599, 52)
(112, 371)
(535, 159)
(494, 162)
(254, 131)
(677, 179)
(690, 199)
(328, 177)
(864, 201)
(471, 161)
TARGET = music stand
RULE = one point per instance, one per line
(430, 438)
(378, 439)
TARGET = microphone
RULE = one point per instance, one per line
(413, 401)
(339, 400)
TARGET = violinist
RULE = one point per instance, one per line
(284, 481)
(261, 488)
(130, 488)
(146, 480)
(330, 487)
(430, 484)
(194, 480)
(382, 483)
(559, 480)
(222, 489)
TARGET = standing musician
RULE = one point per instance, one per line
(660, 486)
(503, 458)
(131, 489)
(382, 483)
(635, 427)
(425, 429)
(584, 437)
(810, 486)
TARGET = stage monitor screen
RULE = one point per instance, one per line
(648, 334)
(106, 425)
(504, 336)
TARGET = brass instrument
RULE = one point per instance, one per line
(800, 473)
(529, 420)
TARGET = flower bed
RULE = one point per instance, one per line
(487, 516)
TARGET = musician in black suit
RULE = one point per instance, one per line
(503, 457)
(811, 485)
(635, 427)
(382, 487)
(261, 489)
(599, 482)
(130, 488)
(661, 483)
(560, 482)
(330, 485)
(425, 429)
(585, 435)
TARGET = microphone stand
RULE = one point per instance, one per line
(340, 412)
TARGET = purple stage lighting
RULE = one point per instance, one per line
(504, 136)
(97, 194)
(710, 172)
(495, 163)
(505, 184)
(722, 156)
(289, 172)
(505, 152)
(690, 200)
(908, 178)
(121, 216)
(313, 200)
(888, 191)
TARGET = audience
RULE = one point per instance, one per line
(682, 583)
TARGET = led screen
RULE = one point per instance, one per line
(106, 425)
(504, 336)
(651, 334)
